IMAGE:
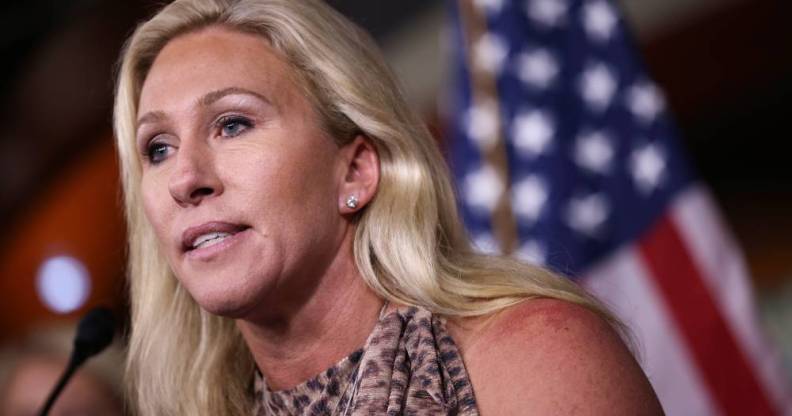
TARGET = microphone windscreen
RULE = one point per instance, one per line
(94, 332)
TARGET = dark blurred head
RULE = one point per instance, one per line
(31, 367)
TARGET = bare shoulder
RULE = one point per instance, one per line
(546, 356)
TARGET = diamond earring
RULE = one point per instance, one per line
(352, 202)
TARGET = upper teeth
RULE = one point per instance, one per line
(209, 239)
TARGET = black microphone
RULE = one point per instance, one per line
(94, 333)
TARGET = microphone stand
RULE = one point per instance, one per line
(74, 364)
(94, 333)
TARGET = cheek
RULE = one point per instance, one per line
(282, 179)
(155, 205)
(289, 193)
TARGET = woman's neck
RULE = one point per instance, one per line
(336, 319)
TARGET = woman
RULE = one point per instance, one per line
(292, 226)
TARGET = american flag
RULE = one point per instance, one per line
(564, 155)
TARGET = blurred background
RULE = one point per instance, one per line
(725, 67)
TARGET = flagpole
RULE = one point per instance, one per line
(484, 96)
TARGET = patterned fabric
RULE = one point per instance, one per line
(409, 365)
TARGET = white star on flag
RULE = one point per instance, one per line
(587, 214)
(532, 252)
(599, 19)
(597, 86)
(594, 151)
(486, 243)
(489, 6)
(481, 124)
(490, 52)
(548, 13)
(529, 197)
(532, 132)
(483, 189)
(645, 101)
(647, 165)
(537, 68)
(578, 150)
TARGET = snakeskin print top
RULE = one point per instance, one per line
(409, 365)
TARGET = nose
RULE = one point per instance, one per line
(194, 177)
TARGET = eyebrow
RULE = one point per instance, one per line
(205, 101)
(213, 96)
(150, 117)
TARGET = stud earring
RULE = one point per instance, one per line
(352, 202)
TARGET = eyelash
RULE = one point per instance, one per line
(151, 150)
(220, 125)
(226, 121)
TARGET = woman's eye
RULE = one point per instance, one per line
(157, 152)
(233, 126)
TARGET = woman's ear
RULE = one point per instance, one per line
(361, 172)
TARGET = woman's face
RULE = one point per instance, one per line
(239, 181)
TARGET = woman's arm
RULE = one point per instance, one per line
(549, 357)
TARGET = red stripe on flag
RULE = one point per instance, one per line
(725, 368)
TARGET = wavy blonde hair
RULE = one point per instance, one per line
(410, 246)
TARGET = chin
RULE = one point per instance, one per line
(223, 297)
(229, 286)
(227, 306)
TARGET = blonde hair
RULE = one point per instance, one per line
(410, 246)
